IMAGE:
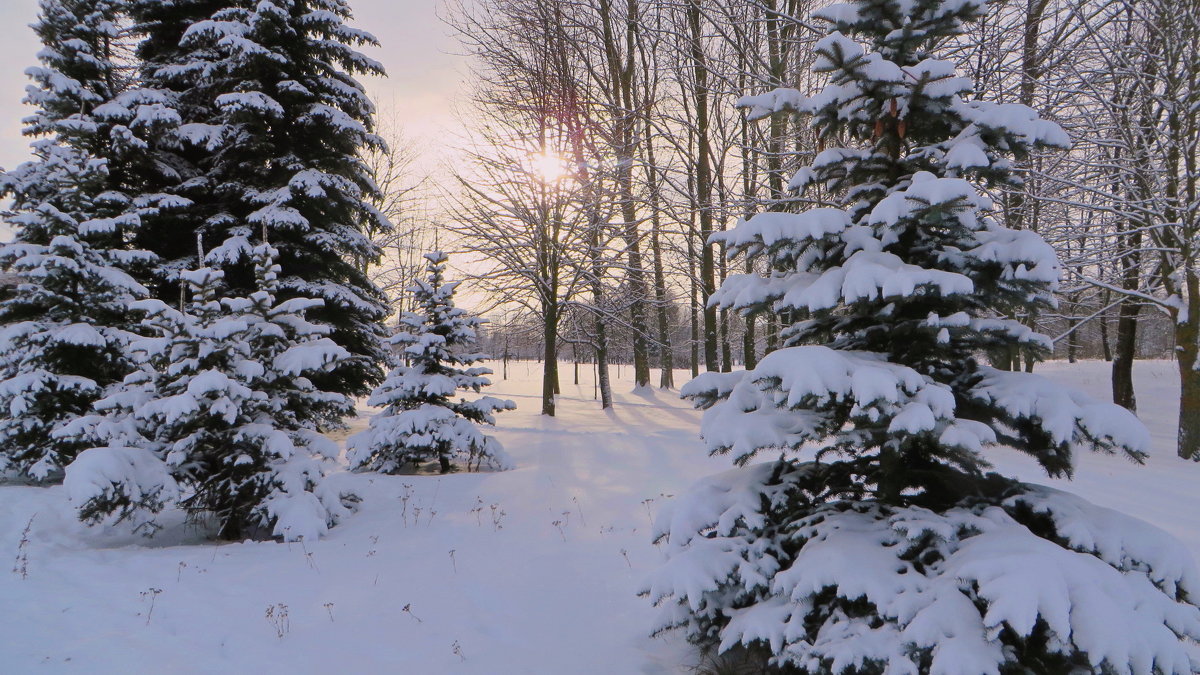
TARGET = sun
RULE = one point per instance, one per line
(548, 166)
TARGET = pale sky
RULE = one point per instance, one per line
(424, 74)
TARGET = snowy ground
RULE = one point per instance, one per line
(528, 571)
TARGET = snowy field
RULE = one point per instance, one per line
(528, 571)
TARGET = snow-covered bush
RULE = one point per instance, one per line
(420, 420)
(222, 418)
(895, 551)
(1023, 579)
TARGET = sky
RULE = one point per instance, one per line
(424, 74)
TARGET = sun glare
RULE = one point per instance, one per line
(548, 166)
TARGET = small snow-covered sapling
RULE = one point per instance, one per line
(497, 516)
(458, 651)
(329, 608)
(421, 418)
(453, 562)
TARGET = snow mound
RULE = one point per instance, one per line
(134, 478)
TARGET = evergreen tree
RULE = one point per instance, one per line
(889, 297)
(271, 125)
(64, 327)
(225, 406)
(420, 420)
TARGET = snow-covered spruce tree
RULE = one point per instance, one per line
(420, 420)
(892, 551)
(271, 128)
(63, 330)
(222, 419)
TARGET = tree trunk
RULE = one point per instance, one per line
(776, 144)
(704, 187)
(694, 324)
(693, 304)
(1072, 332)
(549, 359)
(666, 355)
(772, 333)
(636, 273)
(723, 312)
(1189, 394)
(726, 346)
(596, 265)
(662, 302)
(749, 199)
(624, 140)
(749, 357)
(637, 303)
(602, 379)
(1017, 210)
(1105, 342)
(1187, 346)
(1126, 351)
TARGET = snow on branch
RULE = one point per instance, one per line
(860, 584)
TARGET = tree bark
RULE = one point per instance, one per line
(693, 305)
(772, 331)
(1072, 332)
(666, 353)
(595, 265)
(1126, 351)
(749, 356)
(625, 140)
(723, 317)
(602, 378)
(704, 186)
(1189, 394)
(1187, 348)
(1105, 342)
(662, 302)
(549, 358)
